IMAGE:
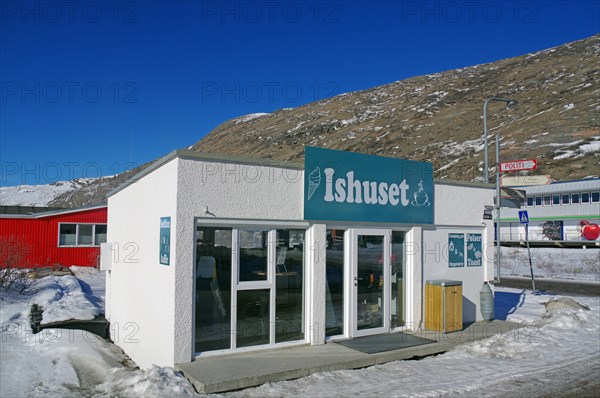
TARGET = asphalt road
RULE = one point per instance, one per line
(576, 288)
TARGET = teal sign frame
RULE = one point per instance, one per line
(474, 250)
(165, 241)
(348, 186)
(456, 250)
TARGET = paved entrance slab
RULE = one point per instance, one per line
(242, 370)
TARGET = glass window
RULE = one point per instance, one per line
(289, 308)
(84, 234)
(530, 202)
(538, 200)
(398, 280)
(254, 255)
(585, 197)
(213, 288)
(595, 197)
(334, 268)
(253, 317)
(555, 199)
(566, 199)
(67, 235)
(574, 198)
(99, 234)
(547, 200)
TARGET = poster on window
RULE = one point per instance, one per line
(165, 240)
(456, 250)
(474, 250)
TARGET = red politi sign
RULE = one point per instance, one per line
(518, 165)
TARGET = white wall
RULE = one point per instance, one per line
(140, 290)
(228, 191)
(459, 209)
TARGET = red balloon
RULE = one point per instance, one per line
(591, 231)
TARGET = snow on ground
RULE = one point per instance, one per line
(70, 363)
(552, 263)
(552, 354)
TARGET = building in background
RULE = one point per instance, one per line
(562, 211)
(55, 238)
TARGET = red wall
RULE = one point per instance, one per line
(40, 235)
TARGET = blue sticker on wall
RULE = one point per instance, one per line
(474, 250)
(165, 240)
(456, 250)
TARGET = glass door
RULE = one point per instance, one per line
(371, 281)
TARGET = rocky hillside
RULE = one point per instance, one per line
(438, 118)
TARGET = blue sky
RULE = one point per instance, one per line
(92, 88)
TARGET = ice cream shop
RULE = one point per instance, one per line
(210, 254)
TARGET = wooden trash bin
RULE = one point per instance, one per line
(443, 305)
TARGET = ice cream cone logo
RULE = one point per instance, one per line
(421, 198)
(314, 180)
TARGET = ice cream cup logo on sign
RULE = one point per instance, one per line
(314, 180)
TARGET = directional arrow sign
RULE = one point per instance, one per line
(518, 165)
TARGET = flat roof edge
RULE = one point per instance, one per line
(215, 157)
(55, 212)
(469, 184)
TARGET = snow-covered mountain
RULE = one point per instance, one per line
(40, 195)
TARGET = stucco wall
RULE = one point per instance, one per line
(140, 300)
(224, 190)
(459, 209)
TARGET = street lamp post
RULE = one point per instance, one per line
(510, 103)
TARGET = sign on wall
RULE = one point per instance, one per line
(474, 250)
(456, 250)
(165, 240)
(347, 186)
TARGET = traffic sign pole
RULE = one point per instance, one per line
(529, 255)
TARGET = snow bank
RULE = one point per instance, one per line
(62, 298)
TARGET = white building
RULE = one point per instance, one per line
(557, 212)
(213, 254)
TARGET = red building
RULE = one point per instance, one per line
(54, 238)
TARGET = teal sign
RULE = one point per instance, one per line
(474, 250)
(347, 186)
(165, 240)
(456, 250)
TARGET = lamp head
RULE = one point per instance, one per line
(512, 103)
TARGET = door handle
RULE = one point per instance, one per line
(356, 278)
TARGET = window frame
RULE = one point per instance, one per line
(562, 199)
(597, 194)
(573, 202)
(77, 244)
(589, 198)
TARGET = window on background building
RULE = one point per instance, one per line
(547, 200)
(566, 199)
(555, 199)
(68, 235)
(85, 234)
(99, 234)
(585, 197)
(530, 202)
(575, 198)
(538, 200)
(595, 197)
(81, 234)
